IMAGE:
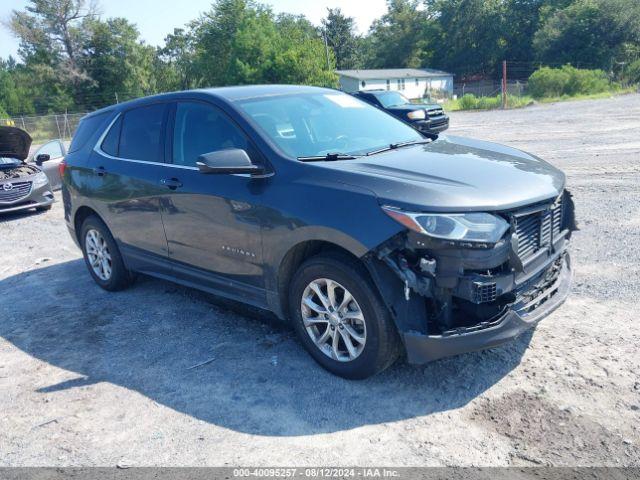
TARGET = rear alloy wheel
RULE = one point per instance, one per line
(98, 254)
(102, 257)
(340, 318)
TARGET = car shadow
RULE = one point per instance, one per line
(10, 216)
(221, 363)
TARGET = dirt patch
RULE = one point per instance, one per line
(545, 433)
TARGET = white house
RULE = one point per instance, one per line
(412, 82)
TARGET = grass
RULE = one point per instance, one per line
(471, 102)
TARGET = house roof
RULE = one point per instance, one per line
(392, 73)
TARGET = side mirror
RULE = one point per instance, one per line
(43, 157)
(230, 160)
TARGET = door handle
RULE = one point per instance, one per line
(100, 171)
(171, 183)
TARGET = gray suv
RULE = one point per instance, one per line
(374, 240)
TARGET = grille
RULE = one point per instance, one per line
(435, 112)
(484, 292)
(536, 231)
(19, 190)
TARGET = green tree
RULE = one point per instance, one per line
(14, 96)
(118, 65)
(242, 42)
(592, 33)
(173, 66)
(471, 36)
(341, 37)
(300, 56)
(51, 33)
(400, 37)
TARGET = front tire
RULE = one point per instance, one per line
(102, 256)
(340, 318)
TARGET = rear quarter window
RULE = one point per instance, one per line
(110, 143)
(87, 127)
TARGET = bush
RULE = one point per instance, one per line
(633, 72)
(3, 113)
(570, 81)
(468, 102)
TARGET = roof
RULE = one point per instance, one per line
(392, 73)
(229, 94)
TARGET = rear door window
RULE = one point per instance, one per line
(141, 133)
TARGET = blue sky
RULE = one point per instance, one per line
(156, 18)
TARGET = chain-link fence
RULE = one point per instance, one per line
(489, 88)
(46, 127)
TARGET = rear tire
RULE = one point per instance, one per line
(365, 320)
(102, 256)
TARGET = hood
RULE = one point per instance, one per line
(410, 107)
(14, 143)
(454, 173)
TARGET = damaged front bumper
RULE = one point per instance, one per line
(524, 314)
(449, 297)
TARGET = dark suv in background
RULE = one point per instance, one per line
(428, 118)
(373, 239)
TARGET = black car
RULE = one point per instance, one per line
(373, 239)
(428, 118)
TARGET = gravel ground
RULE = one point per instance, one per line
(93, 378)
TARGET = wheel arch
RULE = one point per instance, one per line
(80, 215)
(292, 260)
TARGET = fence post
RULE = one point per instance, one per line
(58, 126)
(504, 84)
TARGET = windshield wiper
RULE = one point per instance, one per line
(394, 146)
(329, 157)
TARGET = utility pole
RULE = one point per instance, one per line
(326, 47)
(116, 94)
(504, 84)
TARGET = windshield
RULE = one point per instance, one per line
(392, 99)
(4, 161)
(317, 124)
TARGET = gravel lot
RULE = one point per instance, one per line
(94, 378)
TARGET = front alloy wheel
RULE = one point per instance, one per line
(334, 320)
(340, 318)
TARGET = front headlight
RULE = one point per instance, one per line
(417, 115)
(464, 227)
(40, 180)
